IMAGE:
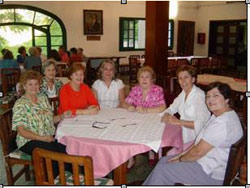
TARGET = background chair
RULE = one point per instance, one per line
(42, 160)
(54, 102)
(12, 156)
(134, 66)
(10, 77)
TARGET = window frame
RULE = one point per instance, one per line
(43, 28)
(121, 32)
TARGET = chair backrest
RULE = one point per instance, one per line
(42, 161)
(7, 136)
(236, 156)
(10, 77)
(134, 56)
(134, 66)
(54, 102)
(37, 68)
(182, 62)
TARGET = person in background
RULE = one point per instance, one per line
(108, 89)
(76, 96)
(3, 52)
(146, 97)
(73, 56)
(190, 104)
(22, 55)
(33, 118)
(32, 60)
(63, 54)
(81, 55)
(8, 61)
(50, 86)
(54, 55)
(40, 54)
(205, 162)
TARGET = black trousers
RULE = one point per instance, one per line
(51, 146)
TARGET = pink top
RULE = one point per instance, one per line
(154, 98)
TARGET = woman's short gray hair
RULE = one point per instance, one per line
(33, 51)
(48, 63)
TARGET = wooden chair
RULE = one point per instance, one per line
(236, 157)
(10, 77)
(42, 160)
(182, 62)
(61, 70)
(134, 66)
(134, 56)
(37, 68)
(54, 102)
(172, 66)
(195, 63)
(204, 65)
(11, 155)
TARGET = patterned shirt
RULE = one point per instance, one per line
(154, 98)
(44, 87)
(37, 118)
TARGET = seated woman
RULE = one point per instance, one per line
(8, 61)
(50, 86)
(32, 60)
(146, 97)
(206, 161)
(22, 54)
(190, 104)
(108, 89)
(33, 118)
(77, 96)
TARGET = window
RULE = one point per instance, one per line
(30, 26)
(133, 34)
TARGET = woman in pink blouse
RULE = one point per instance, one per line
(146, 97)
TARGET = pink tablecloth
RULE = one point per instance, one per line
(107, 155)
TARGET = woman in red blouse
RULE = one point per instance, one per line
(77, 96)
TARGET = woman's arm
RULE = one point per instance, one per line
(157, 109)
(32, 136)
(198, 151)
(95, 93)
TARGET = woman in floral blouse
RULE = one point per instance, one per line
(146, 97)
(50, 86)
(33, 118)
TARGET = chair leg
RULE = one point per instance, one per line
(27, 173)
(9, 174)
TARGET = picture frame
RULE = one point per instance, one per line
(93, 22)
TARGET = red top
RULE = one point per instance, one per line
(73, 100)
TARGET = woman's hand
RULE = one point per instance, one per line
(92, 110)
(131, 108)
(141, 109)
(175, 159)
(46, 138)
(67, 114)
(167, 118)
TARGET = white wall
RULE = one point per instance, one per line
(71, 14)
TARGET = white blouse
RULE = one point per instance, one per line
(108, 97)
(221, 132)
(193, 108)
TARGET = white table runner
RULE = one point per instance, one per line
(121, 126)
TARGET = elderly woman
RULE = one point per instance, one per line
(77, 96)
(205, 162)
(108, 89)
(8, 61)
(32, 60)
(190, 104)
(146, 97)
(22, 55)
(50, 86)
(33, 118)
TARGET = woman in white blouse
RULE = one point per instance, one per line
(190, 104)
(108, 89)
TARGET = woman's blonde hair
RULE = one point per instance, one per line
(101, 68)
(30, 75)
(147, 69)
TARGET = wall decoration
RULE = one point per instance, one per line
(93, 22)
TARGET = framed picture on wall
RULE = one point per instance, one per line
(93, 22)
